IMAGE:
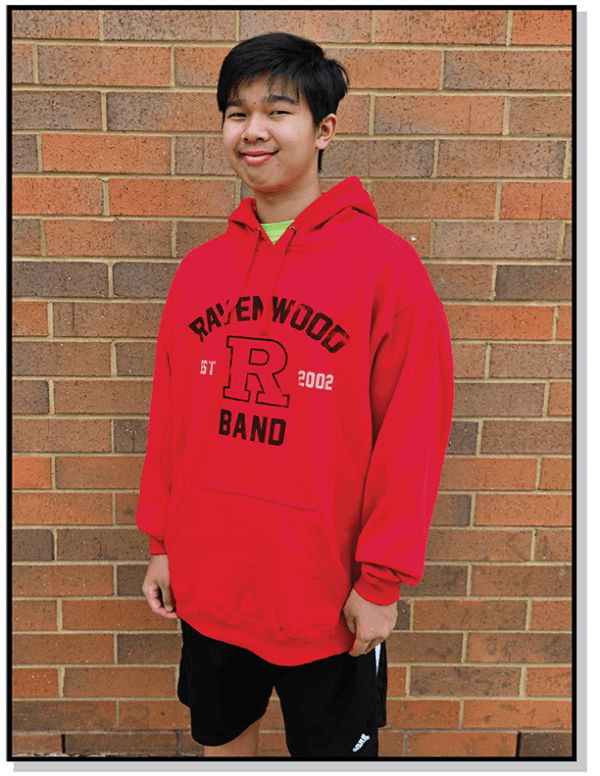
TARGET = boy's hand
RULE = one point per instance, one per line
(157, 587)
(371, 623)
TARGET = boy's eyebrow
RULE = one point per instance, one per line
(238, 103)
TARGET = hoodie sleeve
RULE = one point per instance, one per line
(412, 396)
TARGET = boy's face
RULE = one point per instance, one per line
(270, 138)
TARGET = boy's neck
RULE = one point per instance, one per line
(274, 208)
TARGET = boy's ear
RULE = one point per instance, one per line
(326, 131)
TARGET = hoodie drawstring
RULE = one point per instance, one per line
(243, 276)
(278, 258)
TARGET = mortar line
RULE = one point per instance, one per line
(35, 63)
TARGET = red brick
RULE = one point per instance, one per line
(113, 614)
(469, 360)
(469, 615)
(556, 474)
(162, 112)
(26, 237)
(527, 509)
(424, 647)
(115, 154)
(24, 154)
(505, 322)
(55, 24)
(62, 580)
(64, 715)
(90, 472)
(540, 116)
(439, 114)
(417, 233)
(465, 473)
(501, 158)
(434, 199)
(564, 327)
(119, 682)
(453, 27)
(422, 714)
(380, 157)
(62, 508)
(104, 65)
(458, 744)
(506, 240)
(170, 25)
(35, 683)
(61, 648)
(553, 544)
(49, 435)
(33, 615)
(526, 436)
(551, 615)
(36, 744)
(125, 508)
(509, 70)
(102, 397)
(101, 544)
(30, 473)
(325, 26)
(519, 648)
(473, 400)
(269, 745)
(200, 156)
(521, 580)
(151, 197)
(537, 361)
(440, 580)
(520, 714)
(57, 196)
(56, 110)
(199, 66)
(353, 114)
(120, 744)
(464, 680)
(473, 544)
(536, 200)
(30, 397)
(461, 281)
(61, 358)
(30, 319)
(541, 28)
(22, 63)
(135, 359)
(551, 682)
(108, 238)
(390, 68)
(153, 715)
(107, 319)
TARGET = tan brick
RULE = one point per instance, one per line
(55, 24)
(519, 648)
(324, 26)
(452, 509)
(473, 544)
(414, 647)
(143, 280)
(57, 196)
(162, 112)
(31, 473)
(567, 252)
(526, 509)
(191, 234)
(526, 436)
(353, 114)
(433, 199)
(64, 715)
(149, 648)
(110, 319)
(472, 240)
(556, 474)
(461, 281)
(269, 745)
(507, 322)
(62, 648)
(537, 361)
(61, 358)
(26, 237)
(60, 279)
(119, 682)
(30, 397)
(133, 24)
(22, 63)
(101, 544)
(458, 744)
(199, 66)
(509, 70)
(32, 544)
(542, 28)
(56, 110)
(390, 68)
(153, 715)
(62, 580)
(151, 197)
(464, 680)
(376, 158)
(35, 683)
(535, 283)
(30, 319)
(465, 473)
(200, 156)
(540, 116)
(439, 581)
(112, 397)
(114, 472)
(501, 158)
(469, 360)
(469, 615)
(553, 544)
(130, 436)
(517, 714)
(104, 65)
(131, 577)
(564, 327)
(125, 508)
(552, 615)
(545, 745)
(61, 436)
(135, 358)
(113, 614)
(498, 399)
(24, 153)
(551, 682)
(453, 27)
(523, 580)
(36, 743)
(421, 714)
(560, 399)
(416, 233)
(33, 615)
(121, 744)
(115, 154)
(536, 200)
(439, 114)
(62, 508)
(108, 238)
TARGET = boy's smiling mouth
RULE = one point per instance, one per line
(257, 157)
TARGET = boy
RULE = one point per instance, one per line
(300, 414)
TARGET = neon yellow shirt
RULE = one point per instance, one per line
(274, 231)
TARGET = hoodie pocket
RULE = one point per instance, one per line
(237, 553)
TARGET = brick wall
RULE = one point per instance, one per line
(458, 123)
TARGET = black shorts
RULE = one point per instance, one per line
(331, 707)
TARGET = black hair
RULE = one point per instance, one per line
(323, 82)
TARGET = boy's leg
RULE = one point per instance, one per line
(245, 745)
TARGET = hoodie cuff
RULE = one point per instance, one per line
(377, 590)
(157, 547)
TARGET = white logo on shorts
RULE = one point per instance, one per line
(363, 740)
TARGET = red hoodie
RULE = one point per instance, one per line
(300, 414)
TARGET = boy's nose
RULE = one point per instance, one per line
(255, 129)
